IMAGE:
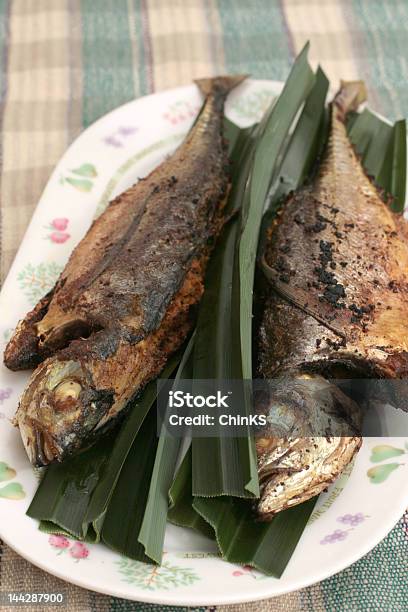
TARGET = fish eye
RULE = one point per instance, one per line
(66, 389)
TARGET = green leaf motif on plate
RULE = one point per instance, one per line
(155, 577)
(253, 105)
(88, 170)
(14, 490)
(385, 451)
(80, 184)
(380, 473)
(36, 281)
(6, 472)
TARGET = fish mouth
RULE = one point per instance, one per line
(305, 469)
(40, 446)
(49, 409)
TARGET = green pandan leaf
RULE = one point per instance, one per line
(81, 184)
(379, 473)
(385, 451)
(6, 472)
(14, 490)
(86, 170)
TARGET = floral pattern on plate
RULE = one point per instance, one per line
(12, 490)
(351, 520)
(180, 111)
(118, 137)
(36, 281)
(76, 550)
(380, 473)
(57, 228)
(248, 571)
(152, 577)
(253, 105)
(5, 394)
(83, 179)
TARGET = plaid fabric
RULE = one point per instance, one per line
(64, 63)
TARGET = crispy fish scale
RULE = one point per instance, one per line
(337, 304)
(126, 298)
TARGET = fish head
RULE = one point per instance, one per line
(312, 434)
(59, 410)
(295, 470)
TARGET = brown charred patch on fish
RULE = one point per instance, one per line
(336, 300)
(126, 299)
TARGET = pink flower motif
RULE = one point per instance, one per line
(60, 224)
(59, 237)
(245, 570)
(58, 541)
(79, 551)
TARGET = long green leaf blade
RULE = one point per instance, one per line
(306, 140)
(223, 465)
(153, 527)
(228, 465)
(393, 173)
(181, 511)
(126, 508)
(274, 133)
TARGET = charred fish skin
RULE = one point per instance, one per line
(126, 298)
(337, 263)
(336, 305)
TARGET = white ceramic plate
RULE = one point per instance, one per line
(356, 513)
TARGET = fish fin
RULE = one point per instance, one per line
(220, 85)
(349, 97)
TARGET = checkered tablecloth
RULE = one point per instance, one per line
(64, 63)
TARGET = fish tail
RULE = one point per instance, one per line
(349, 97)
(220, 85)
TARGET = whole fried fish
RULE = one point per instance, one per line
(337, 307)
(125, 300)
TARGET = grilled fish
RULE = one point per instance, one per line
(125, 300)
(336, 306)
